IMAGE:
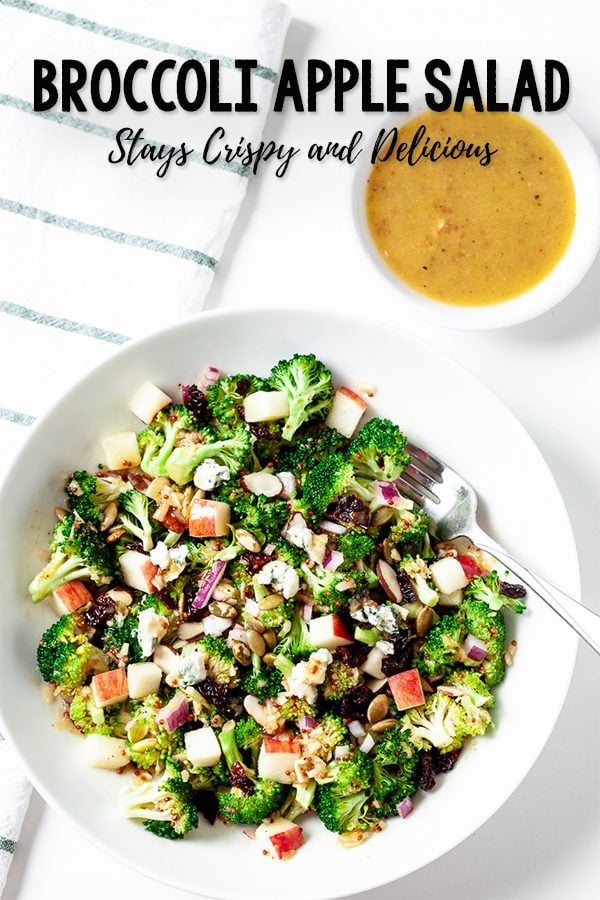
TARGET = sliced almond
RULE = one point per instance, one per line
(262, 483)
(247, 540)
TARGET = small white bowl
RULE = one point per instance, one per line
(579, 255)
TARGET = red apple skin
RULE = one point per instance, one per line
(339, 629)
(407, 689)
(202, 522)
(279, 745)
(150, 571)
(354, 397)
(110, 684)
(287, 841)
(72, 595)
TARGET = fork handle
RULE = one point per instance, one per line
(585, 622)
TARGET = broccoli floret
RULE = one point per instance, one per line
(219, 660)
(395, 763)
(339, 680)
(232, 450)
(296, 645)
(149, 745)
(355, 545)
(444, 722)
(299, 800)
(66, 657)
(275, 618)
(202, 554)
(90, 719)
(226, 397)
(488, 588)
(333, 590)
(157, 442)
(135, 517)
(378, 450)
(309, 449)
(266, 442)
(89, 495)
(489, 626)
(287, 553)
(77, 550)
(122, 630)
(240, 808)
(410, 531)
(331, 733)
(165, 804)
(343, 805)
(469, 684)
(209, 778)
(441, 650)
(248, 734)
(326, 483)
(261, 516)
(295, 708)
(309, 388)
(261, 681)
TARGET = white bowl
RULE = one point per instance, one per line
(579, 255)
(422, 390)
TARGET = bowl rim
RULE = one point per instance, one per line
(51, 796)
(583, 246)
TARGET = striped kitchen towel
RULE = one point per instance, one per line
(93, 253)
(15, 791)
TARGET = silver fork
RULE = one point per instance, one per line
(451, 504)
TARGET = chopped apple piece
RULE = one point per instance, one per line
(121, 450)
(448, 575)
(328, 632)
(166, 658)
(143, 678)
(104, 752)
(71, 596)
(110, 688)
(266, 406)
(138, 571)
(279, 838)
(346, 412)
(202, 747)
(407, 689)
(147, 401)
(209, 518)
(276, 760)
(372, 664)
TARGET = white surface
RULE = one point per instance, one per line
(543, 843)
(498, 471)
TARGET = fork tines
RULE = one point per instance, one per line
(420, 477)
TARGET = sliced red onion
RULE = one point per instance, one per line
(208, 376)
(368, 744)
(216, 625)
(331, 527)
(333, 560)
(356, 729)
(307, 611)
(306, 723)
(405, 807)
(208, 584)
(387, 494)
(290, 485)
(175, 714)
(474, 648)
(341, 752)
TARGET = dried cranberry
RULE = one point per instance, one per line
(206, 803)
(239, 779)
(354, 655)
(426, 772)
(354, 704)
(253, 562)
(443, 762)
(243, 386)
(165, 596)
(138, 480)
(516, 591)
(101, 610)
(406, 588)
(196, 402)
(217, 694)
(401, 659)
(351, 509)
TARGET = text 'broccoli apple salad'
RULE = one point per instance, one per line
(256, 622)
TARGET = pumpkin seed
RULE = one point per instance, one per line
(222, 609)
(255, 625)
(269, 659)
(271, 601)
(256, 643)
(382, 515)
(270, 638)
(60, 513)
(424, 621)
(241, 653)
(383, 725)
(378, 709)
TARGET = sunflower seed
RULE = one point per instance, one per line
(114, 534)
(109, 516)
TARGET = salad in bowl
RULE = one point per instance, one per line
(254, 623)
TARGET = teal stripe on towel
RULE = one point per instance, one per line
(7, 845)
(108, 234)
(69, 325)
(130, 37)
(62, 118)
(17, 418)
